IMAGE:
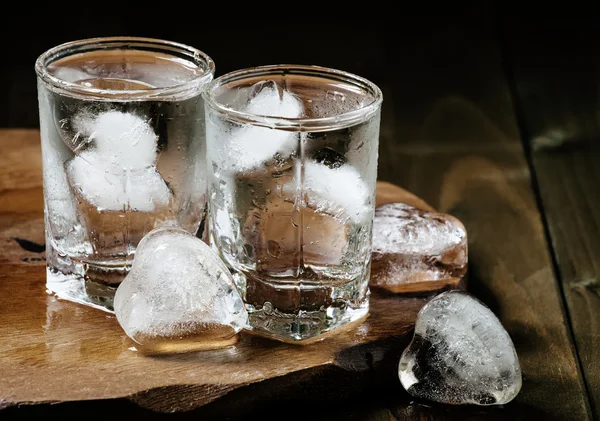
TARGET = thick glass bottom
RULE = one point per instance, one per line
(92, 284)
(304, 326)
(74, 287)
(302, 312)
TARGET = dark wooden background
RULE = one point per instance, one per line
(491, 112)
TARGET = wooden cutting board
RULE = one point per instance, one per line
(59, 351)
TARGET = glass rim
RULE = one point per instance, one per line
(341, 120)
(106, 43)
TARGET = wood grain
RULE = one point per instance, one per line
(451, 137)
(58, 351)
(559, 117)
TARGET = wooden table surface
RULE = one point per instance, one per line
(503, 135)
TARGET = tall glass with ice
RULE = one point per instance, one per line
(123, 149)
(292, 152)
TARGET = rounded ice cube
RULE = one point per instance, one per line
(179, 295)
(141, 190)
(125, 140)
(460, 354)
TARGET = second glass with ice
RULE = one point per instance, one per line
(292, 159)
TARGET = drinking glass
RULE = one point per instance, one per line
(123, 150)
(292, 152)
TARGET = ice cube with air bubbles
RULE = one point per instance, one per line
(252, 146)
(460, 354)
(268, 98)
(336, 190)
(116, 168)
(415, 250)
(179, 295)
(123, 140)
(142, 190)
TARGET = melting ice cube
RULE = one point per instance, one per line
(270, 99)
(415, 250)
(117, 171)
(460, 354)
(178, 294)
(251, 146)
(124, 140)
(139, 190)
(339, 190)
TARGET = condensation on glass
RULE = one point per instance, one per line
(292, 152)
(123, 149)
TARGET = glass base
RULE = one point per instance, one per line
(302, 311)
(92, 284)
(305, 326)
(80, 289)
